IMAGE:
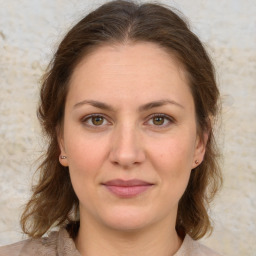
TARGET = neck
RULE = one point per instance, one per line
(160, 239)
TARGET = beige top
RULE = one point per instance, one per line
(60, 244)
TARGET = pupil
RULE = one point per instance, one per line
(158, 120)
(97, 120)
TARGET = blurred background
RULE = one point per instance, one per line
(29, 34)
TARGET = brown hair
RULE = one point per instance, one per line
(54, 202)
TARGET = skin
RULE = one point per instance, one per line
(127, 142)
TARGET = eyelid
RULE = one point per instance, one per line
(169, 118)
(87, 117)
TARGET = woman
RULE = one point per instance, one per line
(128, 104)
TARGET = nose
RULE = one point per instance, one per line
(127, 147)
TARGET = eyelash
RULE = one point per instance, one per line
(166, 117)
(89, 117)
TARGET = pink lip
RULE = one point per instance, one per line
(127, 188)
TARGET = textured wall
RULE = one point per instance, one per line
(29, 31)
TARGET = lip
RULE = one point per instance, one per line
(127, 188)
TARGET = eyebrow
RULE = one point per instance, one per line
(145, 107)
(158, 103)
(94, 103)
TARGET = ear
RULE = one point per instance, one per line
(200, 147)
(63, 156)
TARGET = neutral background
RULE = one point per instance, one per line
(29, 33)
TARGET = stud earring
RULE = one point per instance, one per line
(196, 162)
(63, 157)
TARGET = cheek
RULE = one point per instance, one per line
(86, 153)
(172, 160)
(85, 161)
(175, 154)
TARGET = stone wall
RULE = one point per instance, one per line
(29, 33)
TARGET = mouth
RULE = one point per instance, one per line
(127, 188)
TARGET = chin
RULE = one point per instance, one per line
(127, 219)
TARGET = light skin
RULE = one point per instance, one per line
(144, 128)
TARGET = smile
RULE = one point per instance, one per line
(127, 189)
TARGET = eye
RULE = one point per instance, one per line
(160, 120)
(95, 120)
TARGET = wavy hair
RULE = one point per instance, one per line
(54, 202)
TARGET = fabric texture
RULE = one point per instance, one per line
(59, 243)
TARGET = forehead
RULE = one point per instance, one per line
(128, 70)
(146, 55)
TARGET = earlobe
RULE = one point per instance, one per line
(63, 160)
(63, 156)
(200, 147)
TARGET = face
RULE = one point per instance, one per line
(130, 136)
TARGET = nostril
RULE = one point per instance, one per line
(115, 163)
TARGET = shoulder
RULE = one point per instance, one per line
(191, 247)
(29, 247)
(12, 249)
